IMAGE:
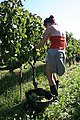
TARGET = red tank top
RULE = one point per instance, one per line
(58, 42)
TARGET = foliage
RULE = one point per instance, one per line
(72, 49)
(19, 30)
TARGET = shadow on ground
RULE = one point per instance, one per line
(21, 111)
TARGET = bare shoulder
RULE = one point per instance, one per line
(49, 28)
(47, 31)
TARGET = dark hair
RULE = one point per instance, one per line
(49, 20)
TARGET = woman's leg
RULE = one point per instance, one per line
(54, 76)
(51, 81)
(49, 75)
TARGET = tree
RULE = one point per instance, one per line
(72, 48)
(19, 29)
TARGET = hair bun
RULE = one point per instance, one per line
(51, 16)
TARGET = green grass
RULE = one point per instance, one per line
(67, 108)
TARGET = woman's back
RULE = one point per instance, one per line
(57, 37)
(55, 30)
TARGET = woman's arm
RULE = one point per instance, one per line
(44, 39)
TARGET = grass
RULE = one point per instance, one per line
(68, 107)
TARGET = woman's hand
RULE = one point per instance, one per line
(44, 39)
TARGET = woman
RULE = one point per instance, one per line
(55, 61)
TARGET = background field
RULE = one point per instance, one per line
(67, 108)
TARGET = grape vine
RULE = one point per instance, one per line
(19, 29)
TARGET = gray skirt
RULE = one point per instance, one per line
(56, 61)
